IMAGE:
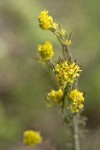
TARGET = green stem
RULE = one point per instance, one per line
(67, 52)
(75, 129)
(75, 124)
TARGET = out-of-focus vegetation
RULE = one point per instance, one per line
(24, 83)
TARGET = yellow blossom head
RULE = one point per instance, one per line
(68, 42)
(31, 137)
(55, 96)
(62, 32)
(45, 51)
(76, 100)
(45, 21)
(66, 72)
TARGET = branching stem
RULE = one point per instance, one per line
(75, 122)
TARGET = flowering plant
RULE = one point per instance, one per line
(66, 72)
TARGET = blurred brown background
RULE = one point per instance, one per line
(23, 81)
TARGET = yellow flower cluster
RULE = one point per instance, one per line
(45, 50)
(31, 138)
(76, 98)
(45, 21)
(55, 96)
(66, 73)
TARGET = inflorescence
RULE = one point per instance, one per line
(66, 73)
(55, 97)
(45, 21)
(45, 51)
(31, 138)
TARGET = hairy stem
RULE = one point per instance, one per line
(75, 129)
(75, 124)
(67, 52)
(67, 55)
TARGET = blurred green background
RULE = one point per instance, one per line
(23, 81)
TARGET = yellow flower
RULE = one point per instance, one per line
(68, 42)
(45, 21)
(45, 50)
(55, 96)
(76, 100)
(62, 32)
(66, 73)
(31, 138)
